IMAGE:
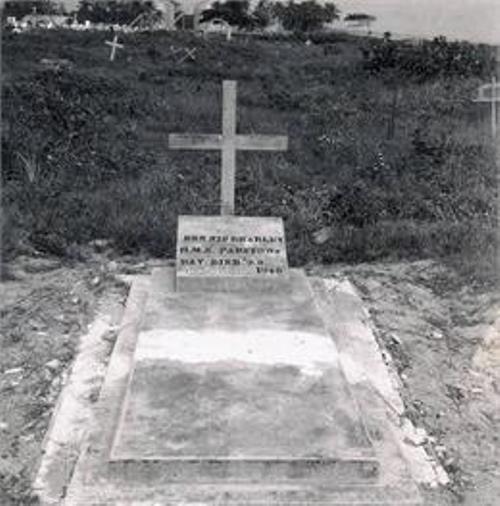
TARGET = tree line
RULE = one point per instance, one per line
(305, 16)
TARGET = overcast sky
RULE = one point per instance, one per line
(476, 20)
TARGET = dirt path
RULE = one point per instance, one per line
(442, 337)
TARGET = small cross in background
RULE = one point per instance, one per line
(490, 93)
(114, 46)
(189, 54)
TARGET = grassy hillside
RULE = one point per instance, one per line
(84, 149)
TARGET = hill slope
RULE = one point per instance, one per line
(395, 161)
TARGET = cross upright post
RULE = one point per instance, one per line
(229, 146)
(228, 143)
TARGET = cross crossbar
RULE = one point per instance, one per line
(216, 141)
(488, 93)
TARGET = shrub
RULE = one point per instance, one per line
(85, 155)
(427, 59)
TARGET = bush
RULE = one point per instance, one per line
(85, 156)
(428, 59)
(305, 16)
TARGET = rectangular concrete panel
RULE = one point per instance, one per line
(231, 479)
(230, 253)
(254, 379)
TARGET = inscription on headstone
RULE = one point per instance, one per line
(230, 252)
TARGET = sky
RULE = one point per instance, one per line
(474, 20)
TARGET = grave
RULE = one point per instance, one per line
(226, 386)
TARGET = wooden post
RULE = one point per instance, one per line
(391, 127)
(489, 93)
(496, 76)
(493, 109)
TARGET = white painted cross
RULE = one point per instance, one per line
(114, 46)
(228, 143)
(490, 93)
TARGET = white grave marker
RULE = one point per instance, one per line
(228, 143)
(114, 46)
(490, 93)
(189, 54)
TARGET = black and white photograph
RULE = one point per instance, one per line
(250, 253)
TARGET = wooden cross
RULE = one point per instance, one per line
(114, 46)
(490, 93)
(189, 54)
(228, 143)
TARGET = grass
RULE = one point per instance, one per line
(84, 150)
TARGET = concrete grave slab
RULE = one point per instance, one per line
(231, 253)
(99, 481)
(255, 379)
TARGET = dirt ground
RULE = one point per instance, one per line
(45, 306)
(442, 337)
(444, 340)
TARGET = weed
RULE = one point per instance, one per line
(85, 151)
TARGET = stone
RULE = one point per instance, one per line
(56, 63)
(100, 245)
(14, 371)
(231, 253)
(53, 365)
(317, 451)
(323, 235)
(252, 379)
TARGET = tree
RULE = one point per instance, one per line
(263, 14)
(112, 11)
(234, 12)
(305, 16)
(17, 9)
(361, 18)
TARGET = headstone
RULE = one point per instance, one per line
(225, 253)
